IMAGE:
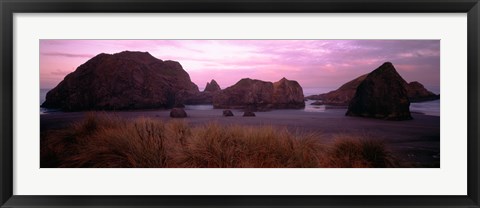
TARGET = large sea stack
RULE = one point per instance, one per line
(342, 96)
(288, 94)
(257, 95)
(126, 80)
(382, 94)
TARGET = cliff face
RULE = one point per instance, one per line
(126, 80)
(382, 94)
(288, 94)
(260, 95)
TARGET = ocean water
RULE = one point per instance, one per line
(308, 107)
(314, 108)
(43, 94)
(431, 108)
(428, 108)
(198, 107)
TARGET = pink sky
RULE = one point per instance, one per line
(318, 65)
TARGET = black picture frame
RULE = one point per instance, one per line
(9, 7)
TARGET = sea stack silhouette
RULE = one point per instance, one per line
(418, 93)
(212, 86)
(258, 95)
(199, 98)
(382, 94)
(121, 81)
(343, 95)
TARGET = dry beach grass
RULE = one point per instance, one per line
(105, 140)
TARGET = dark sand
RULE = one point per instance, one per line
(416, 141)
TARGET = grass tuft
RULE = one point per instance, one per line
(359, 151)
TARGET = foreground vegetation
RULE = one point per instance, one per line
(102, 140)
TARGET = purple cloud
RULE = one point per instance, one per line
(68, 55)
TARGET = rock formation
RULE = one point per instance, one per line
(248, 114)
(382, 94)
(178, 113)
(416, 93)
(246, 92)
(257, 95)
(288, 94)
(126, 80)
(190, 97)
(227, 113)
(342, 95)
(212, 86)
(315, 97)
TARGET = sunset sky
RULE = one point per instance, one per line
(318, 65)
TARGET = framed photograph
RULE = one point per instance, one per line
(239, 104)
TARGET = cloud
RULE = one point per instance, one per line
(59, 72)
(68, 55)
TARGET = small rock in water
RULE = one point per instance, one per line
(178, 113)
(227, 113)
(248, 114)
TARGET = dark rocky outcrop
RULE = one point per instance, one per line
(315, 97)
(257, 95)
(342, 96)
(178, 113)
(190, 97)
(288, 94)
(248, 114)
(126, 80)
(227, 113)
(212, 86)
(246, 92)
(417, 93)
(382, 94)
